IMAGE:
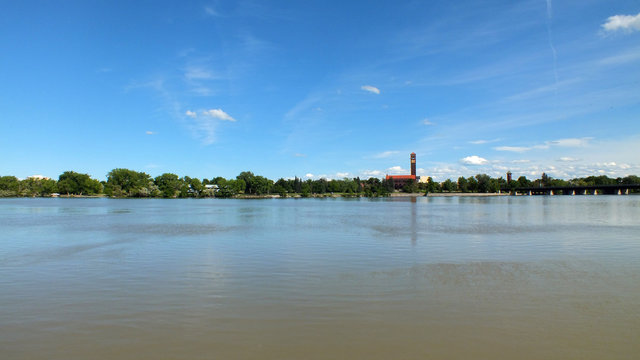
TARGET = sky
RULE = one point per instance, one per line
(318, 89)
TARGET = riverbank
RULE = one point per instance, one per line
(466, 194)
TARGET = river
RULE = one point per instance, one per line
(542, 277)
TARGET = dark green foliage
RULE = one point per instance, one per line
(410, 187)
(128, 183)
(73, 183)
(170, 185)
(9, 186)
(463, 185)
(448, 186)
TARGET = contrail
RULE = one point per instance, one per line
(550, 37)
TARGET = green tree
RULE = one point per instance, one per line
(448, 186)
(9, 186)
(248, 177)
(168, 184)
(473, 184)
(463, 184)
(432, 186)
(37, 187)
(524, 182)
(125, 182)
(73, 183)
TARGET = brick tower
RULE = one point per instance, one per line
(413, 164)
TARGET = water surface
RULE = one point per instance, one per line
(458, 278)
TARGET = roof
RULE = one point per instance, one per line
(404, 177)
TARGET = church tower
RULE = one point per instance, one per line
(413, 164)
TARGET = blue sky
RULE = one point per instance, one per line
(320, 88)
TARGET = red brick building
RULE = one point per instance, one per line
(399, 181)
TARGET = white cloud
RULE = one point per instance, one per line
(568, 159)
(309, 175)
(148, 132)
(627, 23)
(371, 89)
(299, 155)
(427, 122)
(341, 175)
(397, 170)
(191, 114)
(474, 160)
(218, 114)
(372, 173)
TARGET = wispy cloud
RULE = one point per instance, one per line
(568, 159)
(371, 89)
(483, 141)
(204, 125)
(622, 58)
(626, 23)
(211, 11)
(519, 149)
(193, 72)
(385, 154)
(474, 160)
(148, 132)
(569, 142)
(427, 121)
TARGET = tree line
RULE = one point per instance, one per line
(125, 183)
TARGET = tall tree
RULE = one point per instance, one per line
(73, 183)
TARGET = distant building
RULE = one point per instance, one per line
(38, 177)
(399, 181)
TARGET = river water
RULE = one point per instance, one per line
(539, 277)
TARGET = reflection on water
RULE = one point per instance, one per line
(507, 277)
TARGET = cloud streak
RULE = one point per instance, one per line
(205, 124)
(371, 89)
(385, 154)
(569, 142)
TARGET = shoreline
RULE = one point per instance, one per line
(467, 194)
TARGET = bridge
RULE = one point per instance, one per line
(617, 189)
